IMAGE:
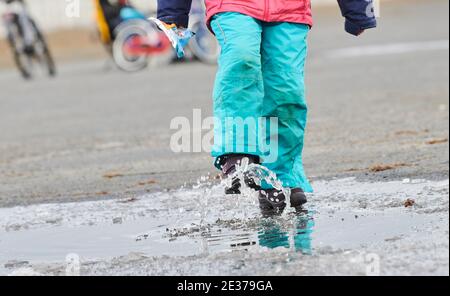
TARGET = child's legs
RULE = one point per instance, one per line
(284, 50)
(238, 91)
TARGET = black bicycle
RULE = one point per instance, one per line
(27, 43)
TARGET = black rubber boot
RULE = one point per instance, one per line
(228, 165)
(272, 202)
(298, 198)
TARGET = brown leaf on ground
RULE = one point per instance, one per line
(411, 132)
(102, 193)
(353, 170)
(409, 203)
(149, 182)
(406, 133)
(386, 167)
(111, 175)
(436, 141)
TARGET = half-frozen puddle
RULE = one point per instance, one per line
(344, 214)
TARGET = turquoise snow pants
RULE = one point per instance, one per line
(261, 75)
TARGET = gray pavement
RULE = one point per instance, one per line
(93, 133)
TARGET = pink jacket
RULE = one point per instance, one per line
(294, 11)
(359, 14)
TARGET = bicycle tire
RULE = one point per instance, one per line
(206, 54)
(46, 58)
(13, 33)
(122, 34)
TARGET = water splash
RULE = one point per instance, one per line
(244, 170)
(261, 175)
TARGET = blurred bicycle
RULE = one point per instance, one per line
(129, 37)
(134, 41)
(26, 40)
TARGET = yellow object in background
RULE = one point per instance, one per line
(102, 24)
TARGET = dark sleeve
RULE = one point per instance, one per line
(359, 15)
(174, 11)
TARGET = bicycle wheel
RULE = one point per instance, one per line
(204, 45)
(16, 43)
(125, 61)
(42, 51)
